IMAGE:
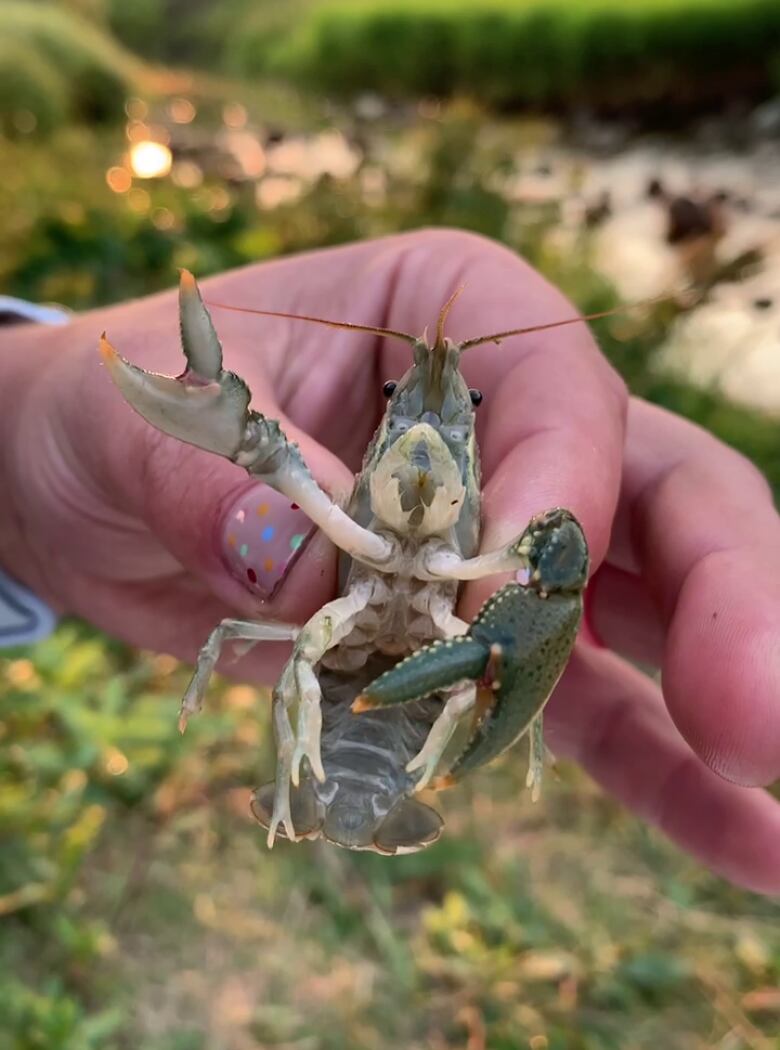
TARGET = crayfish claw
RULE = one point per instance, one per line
(205, 406)
(309, 728)
(281, 816)
(199, 340)
(311, 753)
(362, 703)
(211, 415)
(192, 701)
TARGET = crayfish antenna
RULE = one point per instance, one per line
(498, 336)
(391, 333)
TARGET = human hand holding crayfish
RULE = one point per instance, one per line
(143, 535)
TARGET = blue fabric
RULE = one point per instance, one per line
(13, 311)
(23, 617)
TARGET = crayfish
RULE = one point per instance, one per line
(387, 690)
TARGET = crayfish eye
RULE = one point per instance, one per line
(476, 397)
(389, 388)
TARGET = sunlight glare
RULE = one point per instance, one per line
(150, 160)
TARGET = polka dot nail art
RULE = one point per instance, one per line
(263, 535)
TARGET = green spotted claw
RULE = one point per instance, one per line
(514, 652)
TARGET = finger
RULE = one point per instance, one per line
(173, 616)
(611, 718)
(704, 530)
(623, 616)
(555, 440)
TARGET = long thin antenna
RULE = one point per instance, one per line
(443, 315)
(390, 332)
(558, 324)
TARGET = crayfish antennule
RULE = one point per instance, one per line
(362, 703)
(443, 315)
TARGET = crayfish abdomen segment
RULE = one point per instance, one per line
(364, 802)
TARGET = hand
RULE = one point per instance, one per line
(129, 529)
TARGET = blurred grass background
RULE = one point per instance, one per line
(548, 52)
(138, 906)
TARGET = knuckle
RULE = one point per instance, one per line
(716, 466)
(751, 473)
(458, 250)
(731, 460)
(444, 239)
(616, 388)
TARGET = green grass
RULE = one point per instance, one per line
(56, 66)
(139, 907)
(552, 53)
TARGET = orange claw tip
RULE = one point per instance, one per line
(186, 280)
(107, 352)
(442, 783)
(362, 703)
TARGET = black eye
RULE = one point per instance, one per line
(389, 387)
(476, 397)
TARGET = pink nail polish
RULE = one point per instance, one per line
(262, 535)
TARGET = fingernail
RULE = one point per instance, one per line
(263, 534)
